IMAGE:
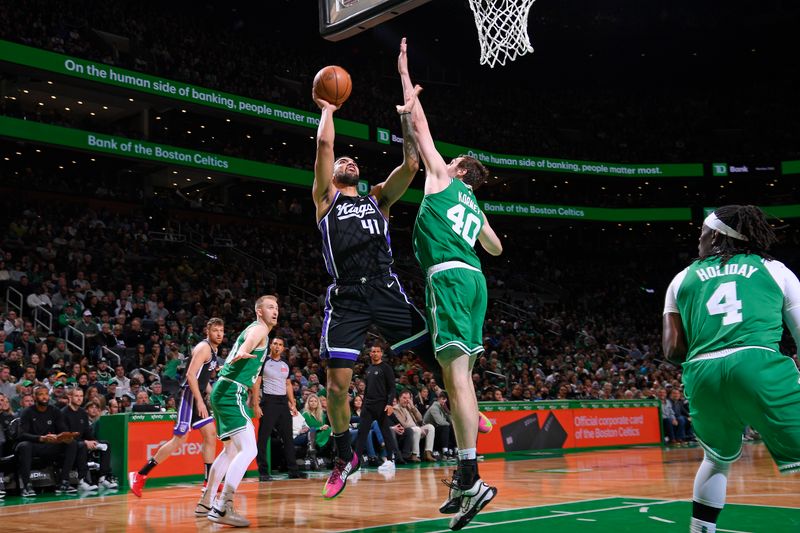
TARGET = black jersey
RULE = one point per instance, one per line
(205, 371)
(355, 238)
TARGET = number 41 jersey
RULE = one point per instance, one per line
(735, 305)
(447, 226)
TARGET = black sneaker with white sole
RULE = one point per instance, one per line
(472, 501)
(27, 492)
(66, 488)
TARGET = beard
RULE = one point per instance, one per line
(348, 179)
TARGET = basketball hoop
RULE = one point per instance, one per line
(502, 29)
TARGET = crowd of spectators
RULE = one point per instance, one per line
(123, 310)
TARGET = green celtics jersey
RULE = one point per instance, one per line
(244, 371)
(447, 226)
(735, 305)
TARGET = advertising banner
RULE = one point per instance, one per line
(523, 426)
(148, 431)
(192, 94)
(587, 168)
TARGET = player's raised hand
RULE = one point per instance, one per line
(411, 100)
(402, 59)
(323, 104)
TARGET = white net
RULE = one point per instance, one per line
(502, 29)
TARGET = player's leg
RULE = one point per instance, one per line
(718, 427)
(770, 403)
(463, 405)
(228, 406)
(240, 452)
(708, 497)
(223, 512)
(467, 488)
(347, 317)
(215, 475)
(346, 462)
(457, 300)
(209, 449)
(209, 435)
(181, 429)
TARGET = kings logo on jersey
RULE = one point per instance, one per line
(345, 211)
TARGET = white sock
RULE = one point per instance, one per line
(711, 483)
(468, 453)
(247, 449)
(698, 526)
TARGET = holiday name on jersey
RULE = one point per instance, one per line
(344, 211)
(467, 200)
(707, 273)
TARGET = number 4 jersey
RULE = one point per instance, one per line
(741, 304)
(447, 226)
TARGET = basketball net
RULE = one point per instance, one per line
(502, 29)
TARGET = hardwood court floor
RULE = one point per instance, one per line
(614, 490)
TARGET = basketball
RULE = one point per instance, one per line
(332, 84)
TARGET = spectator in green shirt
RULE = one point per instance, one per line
(157, 394)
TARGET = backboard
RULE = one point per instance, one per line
(340, 19)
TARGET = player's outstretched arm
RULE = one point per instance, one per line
(323, 166)
(200, 356)
(398, 181)
(673, 341)
(489, 239)
(436, 178)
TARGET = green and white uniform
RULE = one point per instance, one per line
(229, 395)
(734, 375)
(445, 232)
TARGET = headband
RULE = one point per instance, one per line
(716, 224)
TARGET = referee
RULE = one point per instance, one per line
(277, 404)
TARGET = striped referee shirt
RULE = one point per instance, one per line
(274, 377)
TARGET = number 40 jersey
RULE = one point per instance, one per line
(733, 306)
(447, 226)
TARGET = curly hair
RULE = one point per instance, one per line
(751, 222)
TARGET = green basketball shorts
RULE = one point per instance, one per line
(229, 405)
(456, 300)
(754, 387)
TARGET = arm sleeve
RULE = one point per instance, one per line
(790, 286)
(388, 376)
(671, 298)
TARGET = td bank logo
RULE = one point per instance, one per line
(383, 136)
(187, 448)
(719, 169)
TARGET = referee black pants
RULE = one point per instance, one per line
(370, 412)
(275, 413)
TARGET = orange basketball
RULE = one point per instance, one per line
(333, 84)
